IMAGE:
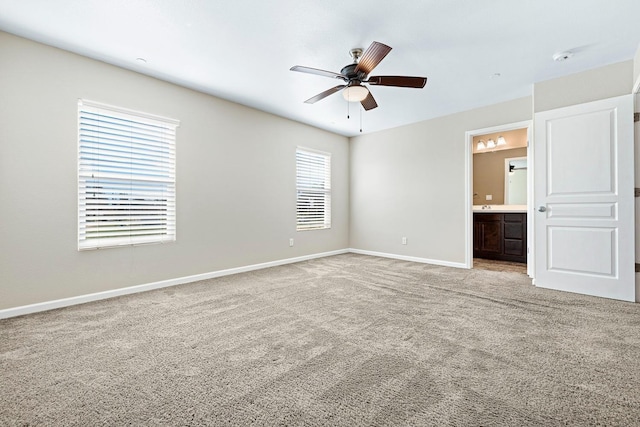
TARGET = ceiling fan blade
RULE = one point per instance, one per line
(372, 57)
(400, 81)
(310, 70)
(369, 103)
(324, 94)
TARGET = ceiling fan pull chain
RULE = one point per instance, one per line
(348, 111)
(360, 119)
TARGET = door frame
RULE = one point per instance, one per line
(468, 188)
(636, 139)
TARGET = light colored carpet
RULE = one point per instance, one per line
(348, 340)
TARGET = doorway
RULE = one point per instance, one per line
(493, 147)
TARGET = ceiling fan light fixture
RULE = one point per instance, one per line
(355, 93)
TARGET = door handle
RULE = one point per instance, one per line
(542, 209)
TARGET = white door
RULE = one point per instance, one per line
(583, 199)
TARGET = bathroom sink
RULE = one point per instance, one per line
(499, 208)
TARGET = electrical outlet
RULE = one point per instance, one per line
(489, 197)
(290, 242)
(404, 240)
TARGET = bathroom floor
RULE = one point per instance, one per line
(489, 264)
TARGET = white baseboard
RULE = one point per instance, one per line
(410, 258)
(81, 299)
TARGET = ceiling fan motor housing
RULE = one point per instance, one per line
(349, 72)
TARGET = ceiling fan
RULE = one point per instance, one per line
(356, 74)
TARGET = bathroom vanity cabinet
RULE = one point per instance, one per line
(501, 236)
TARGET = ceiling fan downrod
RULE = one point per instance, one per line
(355, 54)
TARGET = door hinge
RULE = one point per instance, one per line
(637, 268)
(636, 192)
(636, 117)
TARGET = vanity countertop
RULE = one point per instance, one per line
(499, 208)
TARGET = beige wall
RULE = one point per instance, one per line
(488, 175)
(235, 175)
(488, 164)
(235, 180)
(410, 182)
(600, 83)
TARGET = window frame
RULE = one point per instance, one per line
(313, 191)
(150, 186)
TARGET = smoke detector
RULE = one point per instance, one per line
(562, 56)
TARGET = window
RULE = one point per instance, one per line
(313, 185)
(126, 177)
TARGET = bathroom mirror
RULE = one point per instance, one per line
(515, 181)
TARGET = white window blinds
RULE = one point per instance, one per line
(313, 185)
(126, 177)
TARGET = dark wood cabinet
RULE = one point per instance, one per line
(501, 236)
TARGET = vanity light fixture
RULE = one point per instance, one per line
(491, 143)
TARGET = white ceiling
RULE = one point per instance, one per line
(242, 50)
